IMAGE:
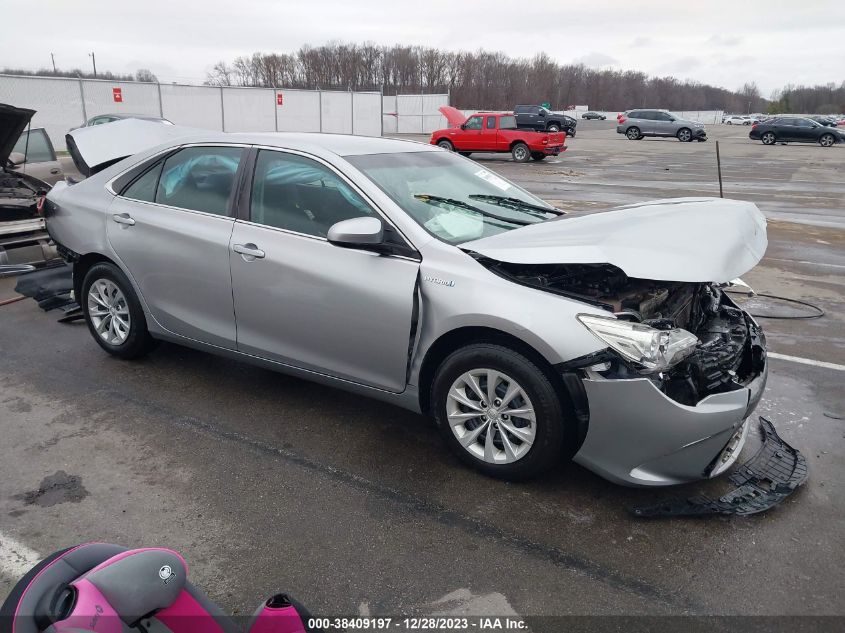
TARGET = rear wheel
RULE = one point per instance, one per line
(521, 153)
(447, 145)
(113, 312)
(498, 411)
(768, 138)
(730, 122)
(684, 135)
(633, 133)
(538, 156)
(827, 140)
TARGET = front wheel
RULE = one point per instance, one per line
(827, 140)
(768, 138)
(113, 312)
(730, 123)
(521, 153)
(633, 133)
(684, 135)
(447, 145)
(498, 412)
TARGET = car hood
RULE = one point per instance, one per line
(13, 122)
(454, 117)
(683, 239)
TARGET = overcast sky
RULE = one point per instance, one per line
(720, 42)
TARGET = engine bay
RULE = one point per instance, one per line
(731, 349)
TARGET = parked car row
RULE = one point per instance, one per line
(789, 129)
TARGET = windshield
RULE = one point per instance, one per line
(452, 198)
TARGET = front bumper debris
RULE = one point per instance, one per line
(761, 483)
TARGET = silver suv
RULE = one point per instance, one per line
(637, 124)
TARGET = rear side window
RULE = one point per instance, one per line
(38, 150)
(199, 178)
(144, 188)
(507, 123)
(635, 114)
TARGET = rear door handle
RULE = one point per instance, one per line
(248, 251)
(123, 218)
(54, 170)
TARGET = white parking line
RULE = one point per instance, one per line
(807, 361)
(16, 558)
(803, 261)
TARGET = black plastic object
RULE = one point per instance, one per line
(50, 287)
(762, 482)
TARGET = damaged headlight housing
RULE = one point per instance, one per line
(654, 350)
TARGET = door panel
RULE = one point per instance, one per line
(338, 311)
(180, 261)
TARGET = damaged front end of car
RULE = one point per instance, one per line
(670, 396)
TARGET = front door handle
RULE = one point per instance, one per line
(55, 170)
(123, 218)
(248, 251)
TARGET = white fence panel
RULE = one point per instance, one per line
(366, 113)
(249, 110)
(58, 103)
(299, 112)
(419, 114)
(133, 98)
(195, 106)
(390, 119)
(336, 108)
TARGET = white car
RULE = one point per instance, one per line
(737, 120)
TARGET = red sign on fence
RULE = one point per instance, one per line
(117, 95)
(280, 99)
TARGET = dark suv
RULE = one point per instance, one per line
(636, 124)
(531, 117)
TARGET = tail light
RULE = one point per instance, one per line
(39, 206)
(753, 125)
(622, 119)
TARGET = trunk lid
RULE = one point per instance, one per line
(682, 239)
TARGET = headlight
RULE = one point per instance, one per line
(656, 350)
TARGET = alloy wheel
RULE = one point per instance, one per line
(826, 141)
(109, 311)
(684, 135)
(491, 416)
(520, 153)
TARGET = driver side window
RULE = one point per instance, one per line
(473, 123)
(298, 194)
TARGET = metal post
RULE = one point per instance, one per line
(320, 93)
(82, 98)
(719, 169)
(381, 106)
(222, 112)
(352, 110)
(276, 106)
(160, 102)
(53, 59)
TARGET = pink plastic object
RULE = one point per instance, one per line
(91, 612)
(277, 616)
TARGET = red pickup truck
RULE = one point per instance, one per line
(496, 132)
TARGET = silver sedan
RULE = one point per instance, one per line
(410, 274)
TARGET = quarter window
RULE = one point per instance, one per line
(144, 188)
(491, 123)
(295, 193)
(199, 178)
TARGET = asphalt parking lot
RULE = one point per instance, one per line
(266, 482)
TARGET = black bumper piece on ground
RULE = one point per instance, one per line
(762, 482)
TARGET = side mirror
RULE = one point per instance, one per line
(364, 231)
(16, 158)
(463, 126)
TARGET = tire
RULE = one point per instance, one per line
(730, 123)
(538, 156)
(571, 133)
(827, 140)
(129, 342)
(446, 144)
(633, 133)
(768, 138)
(521, 153)
(525, 459)
(554, 127)
(684, 135)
